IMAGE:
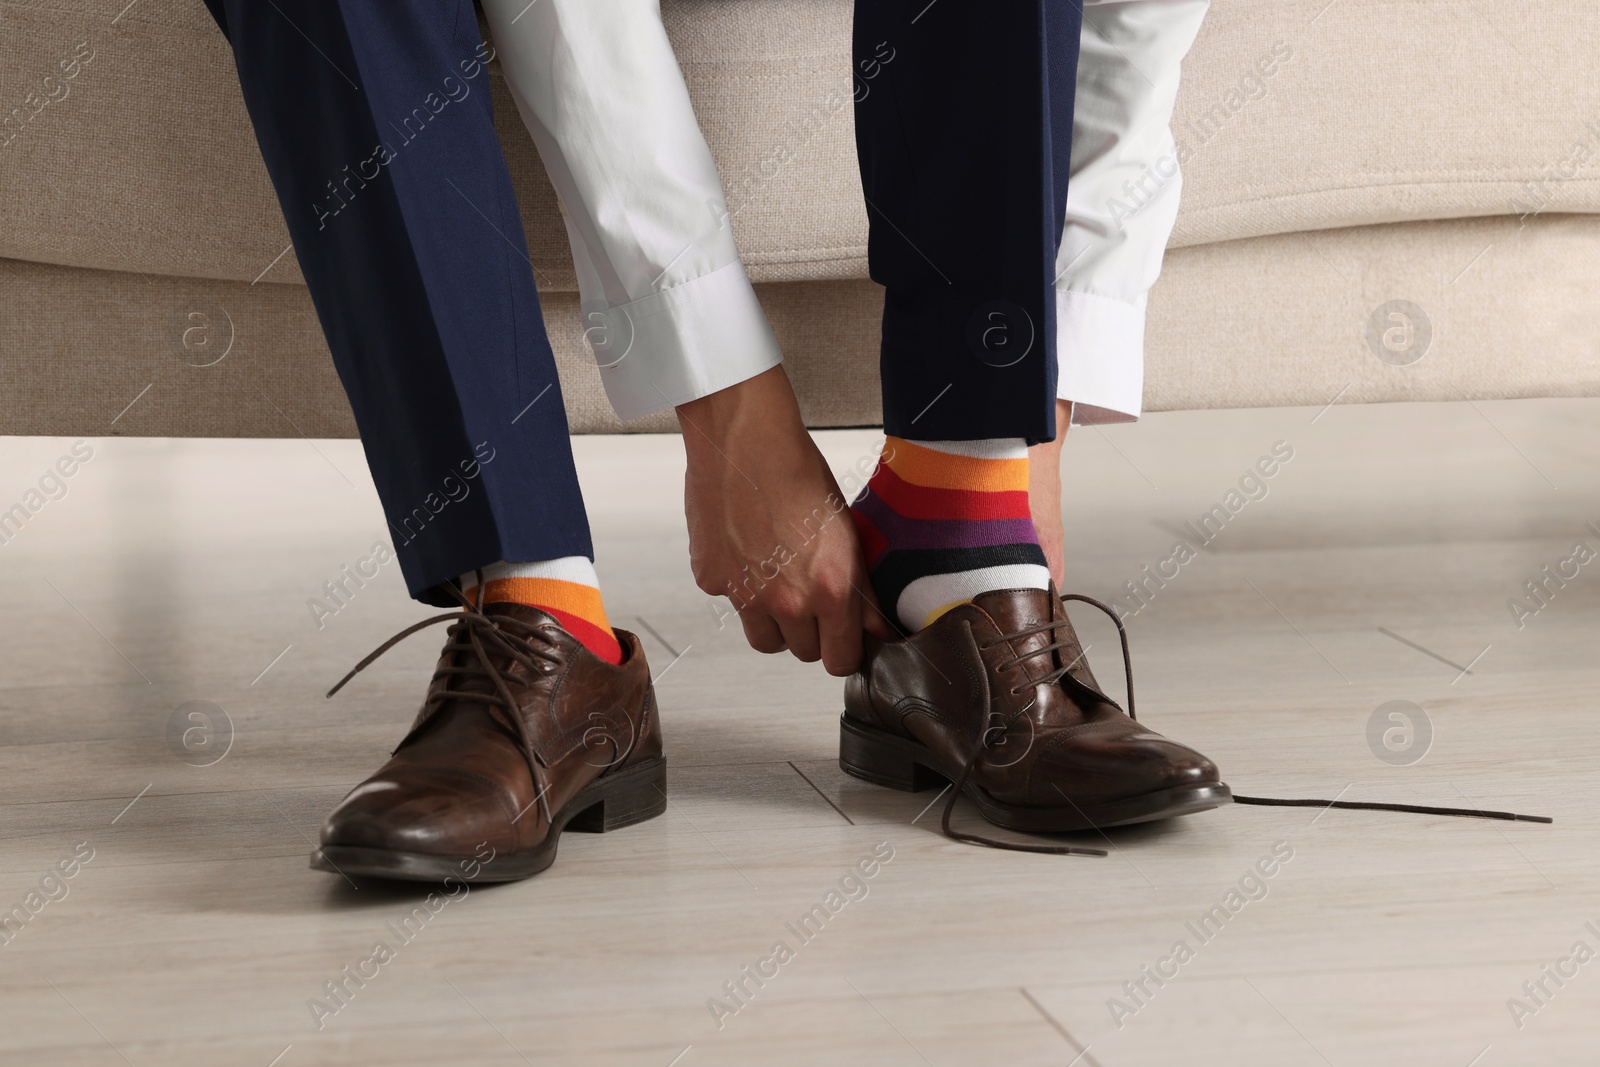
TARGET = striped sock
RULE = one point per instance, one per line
(567, 589)
(943, 521)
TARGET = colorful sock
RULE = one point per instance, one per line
(943, 521)
(567, 589)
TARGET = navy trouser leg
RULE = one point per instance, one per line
(375, 123)
(964, 132)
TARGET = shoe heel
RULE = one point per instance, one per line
(883, 760)
(631, 796)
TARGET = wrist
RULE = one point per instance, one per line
(764, 405)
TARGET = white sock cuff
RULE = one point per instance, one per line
(577, 569)
(933, 591)
(987, 448)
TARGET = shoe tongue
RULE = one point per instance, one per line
(503, 661)
(1019, 609)
(515, 673)
(1014, 610)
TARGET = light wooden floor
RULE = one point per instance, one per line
(179, 571)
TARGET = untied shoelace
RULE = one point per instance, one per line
(1055, 676)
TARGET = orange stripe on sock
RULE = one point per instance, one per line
(921, 502)
(940, 470)
(577, 607)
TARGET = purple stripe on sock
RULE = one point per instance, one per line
(901, 532)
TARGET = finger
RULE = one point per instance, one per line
(800, 633)
(761, 630)
(840, 633)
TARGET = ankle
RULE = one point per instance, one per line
(944, 521)
(764, 405)
(566, 589)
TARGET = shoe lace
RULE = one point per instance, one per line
(475, 632)
(1057, 674)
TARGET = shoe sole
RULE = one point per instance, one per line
(606, 804)
(881, 758)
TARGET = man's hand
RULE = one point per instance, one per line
(769, 529)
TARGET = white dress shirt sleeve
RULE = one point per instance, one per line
(667, 306)
(1122, 198)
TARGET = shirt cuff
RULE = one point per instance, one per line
(1100, 354)
(682, 343)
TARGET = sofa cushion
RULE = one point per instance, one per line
(1386, 111)
(1279, 320)
(1377, 111)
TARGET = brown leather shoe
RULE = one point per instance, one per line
(524, 733)
(995, 697)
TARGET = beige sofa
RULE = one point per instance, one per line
(1442, 154)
